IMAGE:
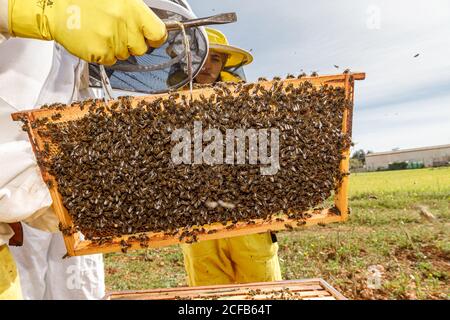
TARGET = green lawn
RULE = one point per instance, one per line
(402, 185)
(385, 231)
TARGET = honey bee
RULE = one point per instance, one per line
(56, 116)
(301, 223)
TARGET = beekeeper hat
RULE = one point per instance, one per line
(236, 56)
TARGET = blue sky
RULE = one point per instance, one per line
(404, 101)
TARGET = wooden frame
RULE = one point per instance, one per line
(308, 289)
(76, 246)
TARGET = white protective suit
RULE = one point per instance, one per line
(33, 73)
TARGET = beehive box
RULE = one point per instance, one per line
(308, 289)
(60, 116)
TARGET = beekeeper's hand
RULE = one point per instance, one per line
(100, 31)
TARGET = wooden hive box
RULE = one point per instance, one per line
(75, 243)
(308, 289)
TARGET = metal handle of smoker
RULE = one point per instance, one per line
(222, 18)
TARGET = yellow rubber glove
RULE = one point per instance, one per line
(100, 31)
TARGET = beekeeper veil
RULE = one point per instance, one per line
(164, 68)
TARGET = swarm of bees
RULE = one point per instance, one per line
(114, 170)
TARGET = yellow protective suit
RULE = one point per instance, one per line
(243, 259)
(9, 278)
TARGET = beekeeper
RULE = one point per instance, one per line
(33, 73)
(249, 258)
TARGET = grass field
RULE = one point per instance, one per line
(385, 232)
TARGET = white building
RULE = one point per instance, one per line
(429, 156)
